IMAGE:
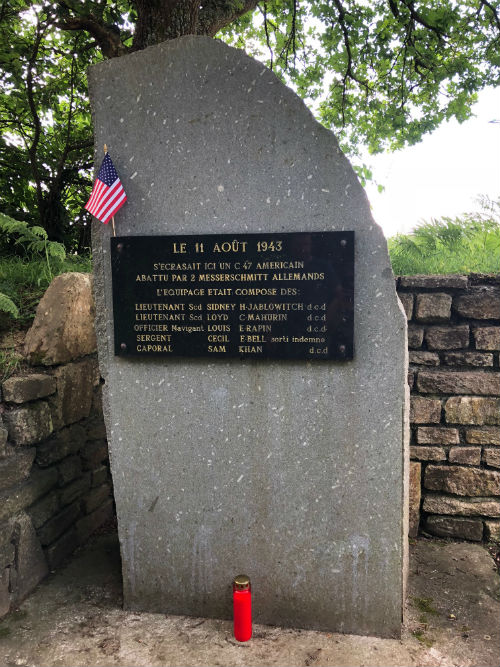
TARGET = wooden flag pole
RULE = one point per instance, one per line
(113, 217)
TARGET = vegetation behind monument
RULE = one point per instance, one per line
(380, 74)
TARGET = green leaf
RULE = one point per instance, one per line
(8, 306)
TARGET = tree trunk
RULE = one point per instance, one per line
(159, 20)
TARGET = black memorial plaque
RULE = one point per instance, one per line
(274, 296)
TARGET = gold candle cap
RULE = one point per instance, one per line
(241, 582)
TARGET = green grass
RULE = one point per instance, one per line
(469, 244)
(424, 605)
(420, 635)
(25, 280)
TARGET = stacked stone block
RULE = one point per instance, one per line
(454, 343)
(55, 484)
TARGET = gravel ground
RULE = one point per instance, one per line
(75, 618)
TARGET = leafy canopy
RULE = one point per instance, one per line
(381, 73)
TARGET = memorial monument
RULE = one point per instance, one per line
(252, 347)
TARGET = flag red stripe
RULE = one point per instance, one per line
(108, 197)
(95, 193)
(117, 205)
(111, 206)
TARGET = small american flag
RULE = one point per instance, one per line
(108, 195)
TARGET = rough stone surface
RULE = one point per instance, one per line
(424, 358)
(45, 508)
(491, 457)
(437, 435)
(29, 424)
(62, 548)
(3, 441)
(4, 591)
(468, 359)
(75, 385)
(64, 443)
(472, 410)
(438, 504)
(63, 328)
(415, 336)
(427, 453)
(39, 482)
(277, 440)
(99, 476)
(462, 481)
(459, 382)
(69, 469)
(74, 489)
(434, 282)
(7, 548)
(407, 301)
(447, 338)
(465, 455)
(482, 303)
(433, 307)
(425, 410)
(31, 564)
(410, 379)
(95, 429)
(487, 435)
(94, 453)
(15, 467)
(487, 338)
(56, 526)
(90, 523)
(415, 495)
(19, 389)
(445, 526)
(492, 529)
(96, 497)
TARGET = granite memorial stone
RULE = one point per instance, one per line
(291, 470)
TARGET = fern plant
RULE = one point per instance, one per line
(33, 239)
(8, 306)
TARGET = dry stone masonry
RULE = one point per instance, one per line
(454, 344)
(55, 485)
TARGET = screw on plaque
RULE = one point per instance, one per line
(343, 243)
(119, 247)
(342, 349)
(123, 347)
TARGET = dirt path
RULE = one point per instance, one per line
(75, 618)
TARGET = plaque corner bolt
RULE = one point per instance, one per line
(123, 347)
(343, 242)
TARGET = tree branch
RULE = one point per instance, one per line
(217, 14)
(418, 18)
(32, 148)
(349, 73)
(107, 37)
(485, 3)
(266, 31)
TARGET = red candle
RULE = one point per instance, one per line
(242, 608)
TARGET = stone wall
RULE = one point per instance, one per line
(454, 343)
(55, 485)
